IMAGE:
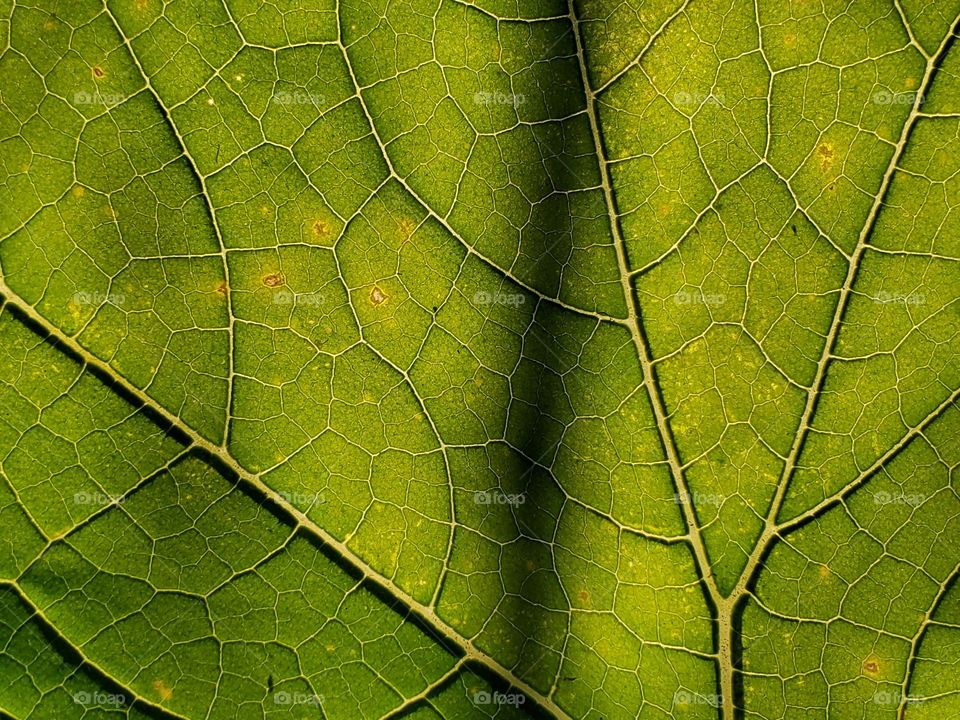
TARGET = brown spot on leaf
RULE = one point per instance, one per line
(584, 596)
(377, 296)
(222, 289)
(871, 665)
(98, 72)
(407, 227)
(825, 156)
(273, 279)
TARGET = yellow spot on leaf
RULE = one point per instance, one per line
(79, 191)
(163, 690)
(407, 227)
(320, 229)
(75, 310)
(273, 279)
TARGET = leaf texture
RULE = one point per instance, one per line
(447, 359)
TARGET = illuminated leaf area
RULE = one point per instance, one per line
(504, 358)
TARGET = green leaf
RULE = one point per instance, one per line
(447, 359)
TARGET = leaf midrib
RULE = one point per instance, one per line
(725, 605)
(444, 632)
(694, 535)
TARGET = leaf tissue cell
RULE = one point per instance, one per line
(454, 359)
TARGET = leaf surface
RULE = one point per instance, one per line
(496, 359)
